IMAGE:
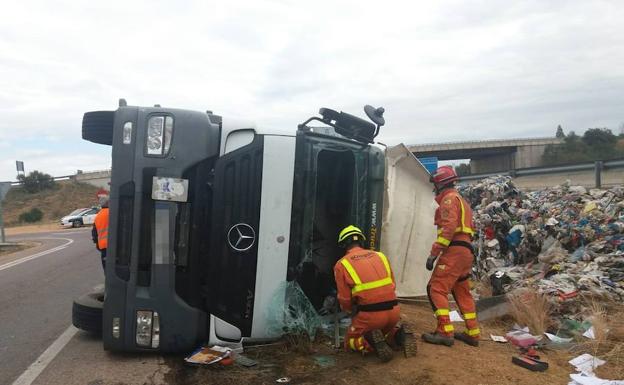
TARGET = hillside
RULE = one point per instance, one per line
(63, 199)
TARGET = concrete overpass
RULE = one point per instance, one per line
(490, 155)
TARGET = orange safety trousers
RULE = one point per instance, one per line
(451, 275)
(367, 321)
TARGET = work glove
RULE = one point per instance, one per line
(431, 261)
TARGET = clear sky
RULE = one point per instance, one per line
(444, 70)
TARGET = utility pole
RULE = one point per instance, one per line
(4, 188)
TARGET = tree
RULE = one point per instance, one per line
(560, 133)
(599, 137)
(462, 169)
(595, 144)
(36, 181)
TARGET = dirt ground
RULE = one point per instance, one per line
(15, 247)
(319, 363)
(39, 228)
(54, 203)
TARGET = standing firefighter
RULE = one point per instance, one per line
(366, 289)
(99, 232)
(455, 229)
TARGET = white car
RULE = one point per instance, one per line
(79, 217)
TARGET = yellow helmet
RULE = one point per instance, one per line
(350, 231)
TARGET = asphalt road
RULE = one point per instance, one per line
(36, 294)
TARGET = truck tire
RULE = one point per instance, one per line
(97, 127)
(87, 312)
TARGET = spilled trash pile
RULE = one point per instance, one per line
(565, 240)
(548, 249)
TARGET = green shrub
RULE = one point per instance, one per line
(34, 215)
(36, 181)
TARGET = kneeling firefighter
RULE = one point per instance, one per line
(366, 289)
(453, 218)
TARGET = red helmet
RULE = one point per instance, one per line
(443, 176)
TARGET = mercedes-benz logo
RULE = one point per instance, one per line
(241, 237)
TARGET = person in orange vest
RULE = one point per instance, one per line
(366, 290)
(99, 232)
(453, 247)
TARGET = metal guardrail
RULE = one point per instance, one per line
(598, 166)
(63, 177)
(486, 141)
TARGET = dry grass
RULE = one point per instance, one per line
(55, 203)
(608, 323)
(484, 287)
(532, 309)
(598, 319)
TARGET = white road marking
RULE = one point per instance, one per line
(72, 232)
(40, 254)
(35, 369)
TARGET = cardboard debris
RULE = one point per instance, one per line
(586, 363)
(208, 355)
(521, 338)
(590, 333)
(558, 340)
(500, 339)
(581, 379)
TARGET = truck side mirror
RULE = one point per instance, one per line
(351, 126)
(375, 114)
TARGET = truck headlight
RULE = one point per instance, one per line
(159, 131)
(147, 329)
(127, 133)
(116, 327)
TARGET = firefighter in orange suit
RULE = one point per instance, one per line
(366, 289)
(453, 247)
(99, 232)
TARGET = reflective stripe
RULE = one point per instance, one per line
(354, 276)
(463, 228)
(448, 328)
(352, 343)
(441, 312)
(443, 241)
(372, 285)
(103, 232)
(473, 332)
(360, 342)
(359, 286)
(470, 316)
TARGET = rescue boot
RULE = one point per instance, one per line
(404, 338)
(465, 338)
(438, 339)
(377, 340)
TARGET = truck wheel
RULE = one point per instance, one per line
(97, 127)
(87, 312)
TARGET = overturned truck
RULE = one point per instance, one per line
(209, 216)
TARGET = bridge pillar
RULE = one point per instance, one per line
(494, 163)
(529, 156)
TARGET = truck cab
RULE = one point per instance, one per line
(210, 216)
